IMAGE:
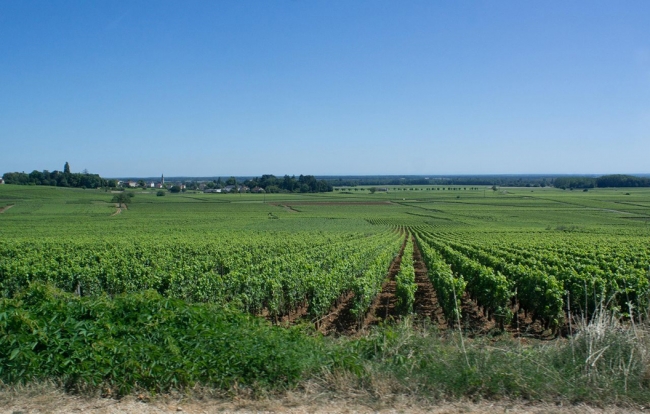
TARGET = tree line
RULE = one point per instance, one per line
(303, 184)
(615, 180)
(270, 184)
(500, 180)
(56, 178)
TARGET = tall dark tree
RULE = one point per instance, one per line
(66, 168)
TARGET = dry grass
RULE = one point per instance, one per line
(338, 396)
(608, 348)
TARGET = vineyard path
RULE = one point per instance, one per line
(426, 304)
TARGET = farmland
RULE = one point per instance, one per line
(512, 263)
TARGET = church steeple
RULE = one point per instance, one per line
(162, 179)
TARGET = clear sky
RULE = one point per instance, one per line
(205, 88)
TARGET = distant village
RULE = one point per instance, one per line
(206, 187)
(267, 183)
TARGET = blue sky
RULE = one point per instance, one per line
(203, 88)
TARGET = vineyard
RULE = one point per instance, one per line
(291, 269)
(520, 261)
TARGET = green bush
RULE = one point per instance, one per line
(142, 341)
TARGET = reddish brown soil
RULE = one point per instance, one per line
(338, 203)
(288, 208)
(340, 320)
(384, 306)
(473, 321)
(426, 303)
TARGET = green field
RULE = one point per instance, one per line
(56, 212)
(541, 255)
(280, 250)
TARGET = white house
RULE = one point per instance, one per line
(2, 181)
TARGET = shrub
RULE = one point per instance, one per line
(143, 340)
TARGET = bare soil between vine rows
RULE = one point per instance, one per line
(339, 203)
(341, 321)
(426, 304)
(384, 307)
(474, 323)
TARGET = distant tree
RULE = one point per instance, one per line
(141, 183)
(231, 181)
(372, 190)
(66, 168)
(121, 198)
(175, 189)
(160, 193)
(494, 188)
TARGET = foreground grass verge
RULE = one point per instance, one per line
(144, 342)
